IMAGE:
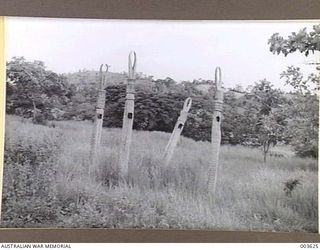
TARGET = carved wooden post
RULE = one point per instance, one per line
(174, 138)
(216, 133)
(97, 127)
(128, 116)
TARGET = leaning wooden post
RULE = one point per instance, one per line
(174, 138)
(128, 116)
(97, 126)
(216, 133)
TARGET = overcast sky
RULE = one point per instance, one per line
(182, 50)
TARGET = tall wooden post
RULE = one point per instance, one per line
(216, 133)
(97, 126)
(128, 116)
(174, 138)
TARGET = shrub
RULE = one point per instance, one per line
(28, 197)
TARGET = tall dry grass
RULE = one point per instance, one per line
(250, 195)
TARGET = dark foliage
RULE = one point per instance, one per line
(29, 176)
(31, 88)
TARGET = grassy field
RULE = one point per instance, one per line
(46, 183)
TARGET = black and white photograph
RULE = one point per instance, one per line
(159, 124)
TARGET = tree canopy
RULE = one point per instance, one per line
(30, 85)
(302, 41)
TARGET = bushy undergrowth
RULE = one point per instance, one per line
(46, 184)
(30, 154)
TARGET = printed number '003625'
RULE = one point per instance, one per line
(309, 246)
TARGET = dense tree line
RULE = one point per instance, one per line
(259, 116)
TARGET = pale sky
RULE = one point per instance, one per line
(182, 50)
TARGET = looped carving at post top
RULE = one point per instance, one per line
(132, 63)
(187, 104)
(103, 75)
(217, 78)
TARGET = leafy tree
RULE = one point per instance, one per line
(32, 89)
(302, 111)
(271, 128)
(302, 41)
(267, 123)
(303, 106)
(294, 77)
(265, 96)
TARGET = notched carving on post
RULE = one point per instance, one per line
(174, 138)
(215, 133)
(97, 127)
(127, 125)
